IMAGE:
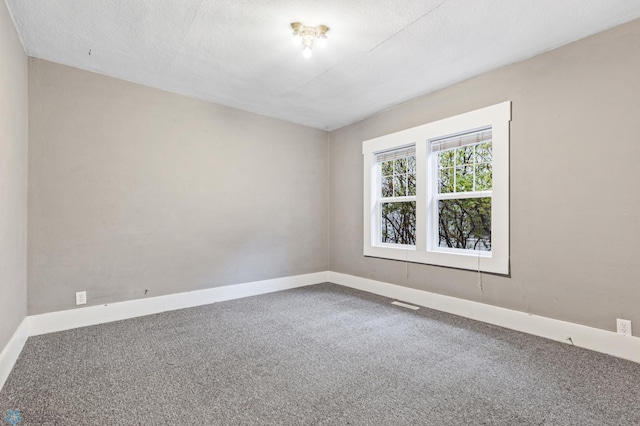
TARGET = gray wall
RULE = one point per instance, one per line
(575, 184)
(13, 178)
(135, 190)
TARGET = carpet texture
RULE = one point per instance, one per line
(318, 355)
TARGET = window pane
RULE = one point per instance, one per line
(445, 180)
(387, 186)
(483, 152)
(398, 177)
(465, 224)
(400, 166)
(445, 159)
(484, 179)
(464, 155)
(411, 184)
(398, 222)
(411, 164)
(387, 168)
(464, 179)
(400, 185)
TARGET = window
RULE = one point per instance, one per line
(397, 207)
(462, 198)
(439, 193)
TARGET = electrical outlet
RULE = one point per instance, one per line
(81, 298)
(624, 327)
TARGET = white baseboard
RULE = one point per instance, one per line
(35, 325)
(81, 317)
(595, 339)
(586, 337)
(10, 353)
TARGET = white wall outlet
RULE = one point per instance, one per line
(81, 298)
(624, 327)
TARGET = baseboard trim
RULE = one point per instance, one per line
(92, 315)
(585, 337)
(11, 351)
(595, 339)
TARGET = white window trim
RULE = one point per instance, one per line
(497, 261)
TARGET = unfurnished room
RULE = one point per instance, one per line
(420, 212)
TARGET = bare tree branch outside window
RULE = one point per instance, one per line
(398, 218)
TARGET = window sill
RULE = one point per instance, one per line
(484, 262)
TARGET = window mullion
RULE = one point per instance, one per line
(424, 186)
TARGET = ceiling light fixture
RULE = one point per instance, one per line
(306, 36)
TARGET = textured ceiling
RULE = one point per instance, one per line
(239, 52)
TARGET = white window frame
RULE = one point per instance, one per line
(425, 251)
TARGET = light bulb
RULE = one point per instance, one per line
(322, 41)
(306, 52)
(297, 39)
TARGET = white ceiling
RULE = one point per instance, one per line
(239, 52)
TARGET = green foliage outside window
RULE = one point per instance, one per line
(464, 222)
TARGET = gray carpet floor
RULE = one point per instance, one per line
(318, 355)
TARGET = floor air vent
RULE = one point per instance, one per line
(405, 305)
